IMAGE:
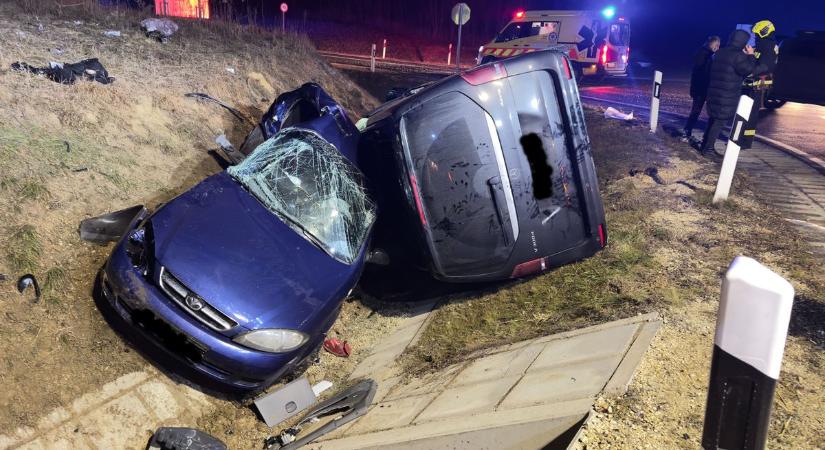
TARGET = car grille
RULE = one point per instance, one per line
(193, 304)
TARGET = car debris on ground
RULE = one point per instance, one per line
(29, 280)
(342, 408)
(208, 98)
(111, 226)
(112, 33)
(179, 438)
(159, 28)
(89, 69)
(285, 402)
(337, 347)
(613, 113)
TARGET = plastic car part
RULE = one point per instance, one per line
(29, 280)
(347, 406)
(208, 98)
(110, 227)
(174, 438)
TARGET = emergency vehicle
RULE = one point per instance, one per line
(597, 42)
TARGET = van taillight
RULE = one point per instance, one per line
(602, 236)
(485, 74)
(530, 267)
(567, 68)
(417, 196)
(604, 54)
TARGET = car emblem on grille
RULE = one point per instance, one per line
(194, 303)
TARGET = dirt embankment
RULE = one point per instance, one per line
(68, 152)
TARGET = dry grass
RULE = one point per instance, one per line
(71, 152)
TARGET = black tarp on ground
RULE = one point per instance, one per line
(90, 69)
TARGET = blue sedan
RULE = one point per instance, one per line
(242, 276)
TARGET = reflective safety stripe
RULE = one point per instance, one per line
(517, 52)
(750, 132)
(507, 52)
(498, 51)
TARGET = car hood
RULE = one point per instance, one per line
(224, 245)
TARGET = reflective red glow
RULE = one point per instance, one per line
(604, 54)
(602, 236)
(418, 205)
(519, 14)
(197, 9)
(567, 70)
(485, 74)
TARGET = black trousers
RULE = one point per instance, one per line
(712, 133)
(695, 110)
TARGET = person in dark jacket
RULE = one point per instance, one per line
(699, 80)
(729, 68)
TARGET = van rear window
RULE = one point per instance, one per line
(453, 155)
(521, 30)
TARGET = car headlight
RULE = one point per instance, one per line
(272, 340)
(139, 245)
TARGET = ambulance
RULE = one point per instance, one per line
(597, 42)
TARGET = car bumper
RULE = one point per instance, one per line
(146, 309)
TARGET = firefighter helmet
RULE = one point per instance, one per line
(764, 28)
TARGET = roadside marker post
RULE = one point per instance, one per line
(449, 53)
(751, 329)
(654, 101)
(372, 59)
(384, 51)
(737, 129)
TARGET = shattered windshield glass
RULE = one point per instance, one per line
(306, 182)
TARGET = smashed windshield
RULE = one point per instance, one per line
(306, 182)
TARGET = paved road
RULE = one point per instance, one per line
(802, 126)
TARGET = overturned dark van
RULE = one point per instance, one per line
(487, 174)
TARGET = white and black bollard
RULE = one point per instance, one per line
(751, 329)
(654, 101)
(384, 50)
(372, 59)
(737, 129)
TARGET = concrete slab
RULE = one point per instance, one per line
(468, 399)
(521, 395)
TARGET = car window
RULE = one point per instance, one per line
(520, 30)
(314, 189)
(620, 34)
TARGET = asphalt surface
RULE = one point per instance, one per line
(801, 126)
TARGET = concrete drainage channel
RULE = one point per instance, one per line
(532, 394)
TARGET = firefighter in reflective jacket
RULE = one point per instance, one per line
(767, 55)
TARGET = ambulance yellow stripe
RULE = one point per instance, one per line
(498, 51)
(517, 52)
(507, 52)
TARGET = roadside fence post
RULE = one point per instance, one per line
(449, 53)
(751, 329)
(372, 59)
(743, 112)
(384, 51)
(654, 101)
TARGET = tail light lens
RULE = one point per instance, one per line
(418, 205)
(604, 55)
(567, 70)
(530, 267)
(485, 74)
